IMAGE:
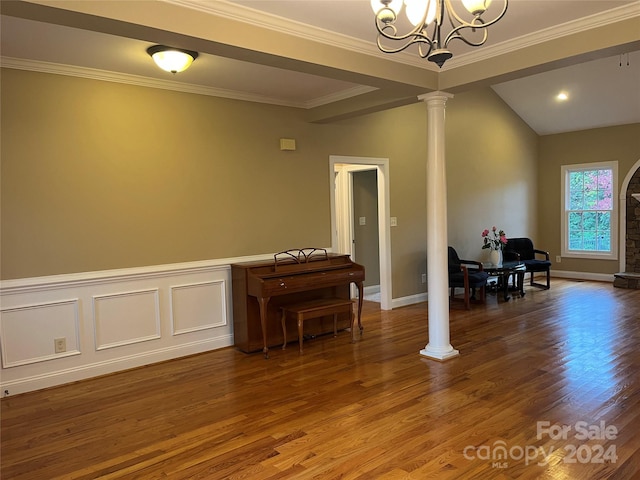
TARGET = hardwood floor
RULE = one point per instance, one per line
(371, 410)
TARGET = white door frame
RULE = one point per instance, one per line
(340, 171)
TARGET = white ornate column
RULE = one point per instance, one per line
(438, 347)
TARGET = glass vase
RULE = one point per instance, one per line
(496, 257)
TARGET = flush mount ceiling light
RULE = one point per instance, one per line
(428, 15)
(171, 59)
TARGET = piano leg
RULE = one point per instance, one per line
(262, 302)
(360, 299)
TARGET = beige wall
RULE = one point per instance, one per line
(604, 144)
(491, 168)
(99, 175)
(366, 237)
(399, 135)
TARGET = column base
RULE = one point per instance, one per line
(439, 353)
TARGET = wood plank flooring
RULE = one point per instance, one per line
(375, 409)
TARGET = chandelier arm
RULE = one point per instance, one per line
(420, 41)
(438, 22)
(456, 35)
(421, 52)
(390, 26)
(416, 32)
(415, 36)
(483, 23)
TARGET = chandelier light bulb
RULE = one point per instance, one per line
(386, 10)
(476, 7)
(416, 8)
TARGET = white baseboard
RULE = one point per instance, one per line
(371, 290)
(596, 277)
(83, 372)
(409, 300)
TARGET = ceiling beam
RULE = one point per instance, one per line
(364, 104)
(206, 32)
(598, 41)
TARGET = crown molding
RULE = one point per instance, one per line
(337, 96)
(266, 20)
(269, 21)
(608, 17)
(116, 77)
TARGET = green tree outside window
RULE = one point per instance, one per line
(590, 208)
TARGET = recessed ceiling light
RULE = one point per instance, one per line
(562, 96)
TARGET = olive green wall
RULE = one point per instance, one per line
(621, 144)
(99, 175)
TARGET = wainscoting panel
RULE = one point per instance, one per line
(52, 320)
(198, 306)
(111, 320)
(126, 318)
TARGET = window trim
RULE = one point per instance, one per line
(565, 170)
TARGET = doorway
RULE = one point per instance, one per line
(342, 170)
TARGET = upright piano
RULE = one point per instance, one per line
(260, 288)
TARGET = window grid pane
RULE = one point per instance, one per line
(590, 205)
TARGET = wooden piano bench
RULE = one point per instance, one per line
(315, 309)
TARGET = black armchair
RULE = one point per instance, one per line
(466, 274)
(522, 249)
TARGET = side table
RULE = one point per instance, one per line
(503, 272)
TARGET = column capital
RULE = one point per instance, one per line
(437, 95)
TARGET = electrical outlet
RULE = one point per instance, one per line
(558, 259)
(60, 345)
(424, 278)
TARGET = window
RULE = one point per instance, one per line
(589, 207)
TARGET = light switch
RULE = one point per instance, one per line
(363, 220)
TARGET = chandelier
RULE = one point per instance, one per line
(428, 16)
